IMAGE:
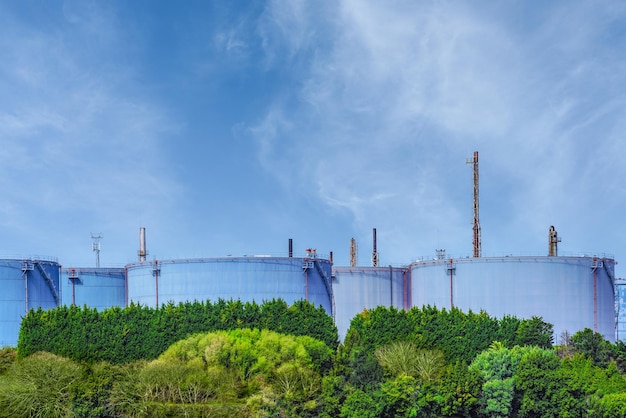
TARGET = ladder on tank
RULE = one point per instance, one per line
(328, 284)
(49, 281)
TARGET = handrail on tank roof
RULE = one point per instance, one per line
(562, 254)
(29, 257)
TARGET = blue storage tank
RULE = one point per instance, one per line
(245, 278)
(572, 293)
(26, 284)
(98, 288)
(358, 288)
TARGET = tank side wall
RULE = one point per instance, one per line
(96, 288)
(359, 288)
(558, 289)
(620, 303)
(13, 296)
(249, 279)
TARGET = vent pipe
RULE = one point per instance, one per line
(476, 228)
(553, 240)
(353, 253)
(142, 244)
(290, 247)
(331, 258)
(374, 251)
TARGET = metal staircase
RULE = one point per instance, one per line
(328, 284)
(46, 276)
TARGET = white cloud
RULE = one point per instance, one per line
(78, 146)
(404, 91)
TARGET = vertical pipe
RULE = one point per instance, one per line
(73, 272)
(331, 258)
(126, 286)
(374, 251)
(142, 244)
(156, 276)
(290, 247)
(390, 286)
(405, 291)
(26, 288)
(451, 300)
(306, 284)
(410, 288)
(595, 294)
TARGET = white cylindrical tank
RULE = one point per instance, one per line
(572, 293)
(245, 278)
(358, 288)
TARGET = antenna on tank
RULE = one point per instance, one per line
(374, 251)
(143, 252)
(553, 240)
(95, 246)
(353, 253)
(476, 228)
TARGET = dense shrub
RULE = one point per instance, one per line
(137, 332)
(38, 386)
(256, 372)
(459, 335)
(7, 358)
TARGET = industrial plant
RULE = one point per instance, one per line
(570, 292)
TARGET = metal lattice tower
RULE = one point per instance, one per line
(476, 227)
(96, 237)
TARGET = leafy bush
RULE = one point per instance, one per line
(121, 336)
(38, 386)
(8, 356)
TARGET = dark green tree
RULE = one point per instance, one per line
(535, 331)
(593, 345)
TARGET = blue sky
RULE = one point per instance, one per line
(228, 127)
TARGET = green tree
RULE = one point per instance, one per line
(535, 331)
(538, 383)
(459, 389)
(498, 366)
(359, 404)
(593, 345)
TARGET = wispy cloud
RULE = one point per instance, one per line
(77, 143)
(386, 113)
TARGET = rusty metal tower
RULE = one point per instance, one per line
(353, 253)
(476, 228)
(554, 239)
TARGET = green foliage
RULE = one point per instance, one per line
(593, 345)
(366, 373)
(332, 396)
(404, 358)
(38, 386)
(537, 382)
(137, 332)
(535, 331)
(8, 355)
(91, 392)
(359, 404)
(498, 366)
(610, 406)
(399, 397)
(459, 335)
(273, 373)
(459, 389)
